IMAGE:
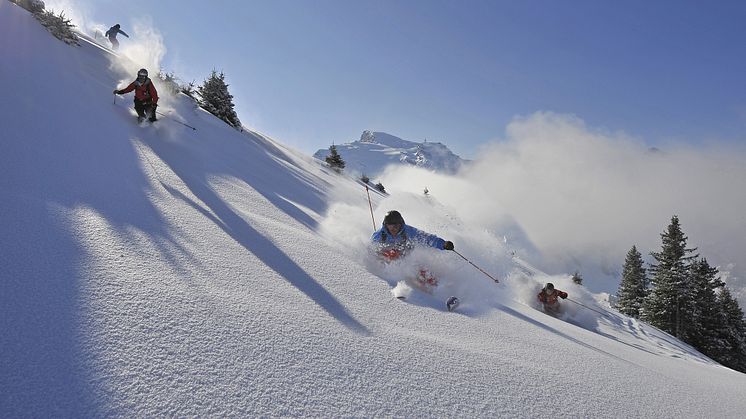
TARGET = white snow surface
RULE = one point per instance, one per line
(375, 151)
(153, 271)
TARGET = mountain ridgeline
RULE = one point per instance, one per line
(376, 150)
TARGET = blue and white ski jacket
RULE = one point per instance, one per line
(406, 238)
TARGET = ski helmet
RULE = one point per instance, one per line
(142, 73)
(393, 217)
(549, 287)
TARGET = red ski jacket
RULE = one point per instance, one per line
(144, 92)
(551, 298)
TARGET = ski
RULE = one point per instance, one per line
(404, 289)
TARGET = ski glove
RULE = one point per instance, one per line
(563, 296)
(448, 245)
(116, 92)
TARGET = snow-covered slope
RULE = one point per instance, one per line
(375, 150)
(160, 271)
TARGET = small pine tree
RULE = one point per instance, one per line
(380, 187)
(634, 284)
(364, 179)
(670, 305)
(188, 89)
(334, 160)
(170, 81)
(217, 100)
(57, 25)
(577, 279)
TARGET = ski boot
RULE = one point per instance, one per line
(452, 303)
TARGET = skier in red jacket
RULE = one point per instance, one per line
(146, 97)
(549, 296)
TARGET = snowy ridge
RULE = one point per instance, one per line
(161, 271)
(375, 150)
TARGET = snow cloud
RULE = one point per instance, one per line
(145, 48)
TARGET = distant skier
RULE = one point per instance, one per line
(112, 35)
(549, 297)
(396, 239)
(146, 97)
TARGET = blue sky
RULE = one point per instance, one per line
(311, 72)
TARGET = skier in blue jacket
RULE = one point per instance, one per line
(395, 239)
(112, 35)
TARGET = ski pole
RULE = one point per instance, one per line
(480, 269)
(186, 125)
(583, 305)
(371, 208)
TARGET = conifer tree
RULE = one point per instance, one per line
(670, 304)
(58, 25)
(708, 333)
(633, 288)
(334, 160)
(217, 100)
(735, 325)
(170, 81)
